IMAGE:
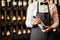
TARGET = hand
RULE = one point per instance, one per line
(46, 26)
(47, 29)
(36, 21)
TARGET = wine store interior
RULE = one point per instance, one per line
(13, 17)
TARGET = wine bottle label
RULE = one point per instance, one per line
(8, 17)
(23, 17)
(19, 32)
(24, 31)
(2, 17)
(41, 26)
(28, 31)
(2, 33)
(19, 3)
(8, 33)
(8, 0)
(8, 4)
(3, 3)
(19, 18)
(24, 3)
(14, 30)
(14, 18)
(14, 3)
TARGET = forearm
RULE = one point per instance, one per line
(55, 25)
(55, 18)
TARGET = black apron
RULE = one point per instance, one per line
(36, 33)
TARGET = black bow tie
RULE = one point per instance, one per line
(44, 3)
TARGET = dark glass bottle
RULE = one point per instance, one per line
(24, 3)
(19, 3)
(14, 3)
(3, 3)
(2, 18)
(8, 3)
(14, 19)
(3, 30)
(8, 16)
(8, 25)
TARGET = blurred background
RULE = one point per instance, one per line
(13, 16)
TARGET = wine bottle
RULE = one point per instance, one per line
(14, 18)
(8, 4)
(8, 33)
(14, 32)
(3, 30)
(24, 17)
(28, 31)
(19, 18)
(24, 31)
(19, 32)
(3, 4)
(2, 18)
(25, 3)
(19, 3)
(14, 22)
(14, 3)
(8, 18)
(2, 33)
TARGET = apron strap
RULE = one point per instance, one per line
(38, 7)
(48, 8)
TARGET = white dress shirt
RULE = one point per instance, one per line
(32, 11)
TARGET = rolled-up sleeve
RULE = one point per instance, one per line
(55, 18)
(29, 16)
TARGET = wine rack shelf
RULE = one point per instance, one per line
(12, 19)
(13, 16)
